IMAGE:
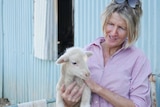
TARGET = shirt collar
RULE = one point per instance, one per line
(99, 40)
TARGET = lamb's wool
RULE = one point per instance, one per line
(74, 68)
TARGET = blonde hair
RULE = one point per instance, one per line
(130, 15)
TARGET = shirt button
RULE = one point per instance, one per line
(96, 102)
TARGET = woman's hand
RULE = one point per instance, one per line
(92, 85)
(71, 94)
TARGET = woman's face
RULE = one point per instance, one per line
(115, 31)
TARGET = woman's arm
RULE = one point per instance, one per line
(113, 98)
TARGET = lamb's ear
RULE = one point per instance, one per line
(89, 53)
(62, 59)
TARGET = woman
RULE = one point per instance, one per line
(119, 71)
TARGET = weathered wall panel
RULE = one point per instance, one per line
(26, 78)
(1, 49)
(149, 38)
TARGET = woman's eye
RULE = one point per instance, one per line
(111, 24)
(121, 28)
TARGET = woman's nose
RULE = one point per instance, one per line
(114, 30)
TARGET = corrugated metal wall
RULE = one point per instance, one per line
(87, 20)
(1, 49)
(150, 32)
(27, 78)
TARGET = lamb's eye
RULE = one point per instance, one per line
(74, 63)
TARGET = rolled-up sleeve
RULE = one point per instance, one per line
(140, 85)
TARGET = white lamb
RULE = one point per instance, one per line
(74, 68)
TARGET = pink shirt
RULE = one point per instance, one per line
(126, 73)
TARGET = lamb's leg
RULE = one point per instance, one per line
(86, 97)
(59, 100)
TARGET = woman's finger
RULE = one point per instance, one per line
(62, 88)
(78, 95)
(73, 92)
(69, 88)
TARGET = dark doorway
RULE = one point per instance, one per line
(65, 25)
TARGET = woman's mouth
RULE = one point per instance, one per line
(113, 38)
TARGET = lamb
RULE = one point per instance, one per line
(74, 68)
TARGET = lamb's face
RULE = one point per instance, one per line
(77, 66)
(75, 62)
